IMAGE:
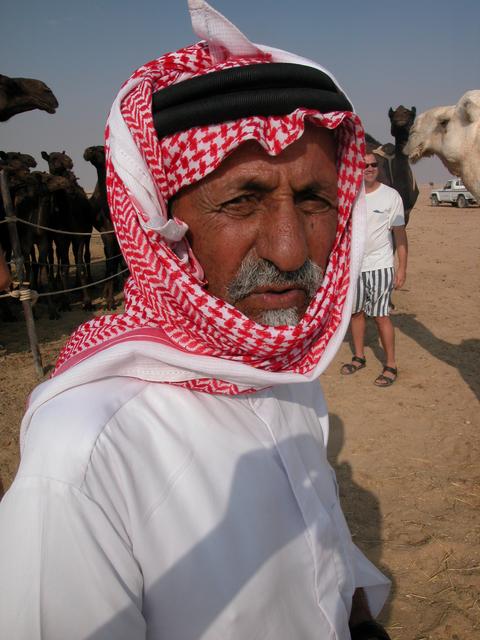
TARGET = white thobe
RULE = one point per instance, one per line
(144, 510)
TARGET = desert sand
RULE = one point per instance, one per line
(406, 457)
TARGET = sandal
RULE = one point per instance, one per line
(350, 368)
(386, 381)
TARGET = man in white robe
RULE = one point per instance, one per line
(174, 483)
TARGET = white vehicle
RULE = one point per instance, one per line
(454, 193)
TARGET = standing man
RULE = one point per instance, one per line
(378, 277)
(174, 482)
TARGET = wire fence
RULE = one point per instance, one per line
(74, 264)
(35, 295)
(21, 289)
(60, 231)
(25, 293)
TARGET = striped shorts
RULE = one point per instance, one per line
(374, 290)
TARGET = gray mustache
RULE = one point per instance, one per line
(258, 272)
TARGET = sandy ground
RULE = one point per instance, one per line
(406, 457)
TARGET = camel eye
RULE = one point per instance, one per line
(444, 123)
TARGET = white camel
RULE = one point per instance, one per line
(453, 134)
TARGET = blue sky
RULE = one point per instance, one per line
(424, 53)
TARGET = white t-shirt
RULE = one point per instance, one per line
(384, 211)
(144, 510)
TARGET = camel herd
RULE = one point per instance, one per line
(59, 213)
(60, 217)
(55, 200)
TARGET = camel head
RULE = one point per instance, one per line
(452, 134)
(59, 163)
(401, 120)
(460, 152)
(95, 155)
(23, 186)
(51, 183)
(17, 159)
(427, 133)
(24, 94)
(16, 166)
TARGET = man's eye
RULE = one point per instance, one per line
(246, 197)
(314, 201)
(241, 205)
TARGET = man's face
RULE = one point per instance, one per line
(263, 227)
(371, 172)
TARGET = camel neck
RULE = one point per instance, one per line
(101, 173)
(400, 141)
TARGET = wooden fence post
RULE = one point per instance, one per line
(20, 269)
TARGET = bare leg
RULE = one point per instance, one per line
(387, 338)
(358, 333)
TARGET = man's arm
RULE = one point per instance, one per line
(401, 245)
(69, 573)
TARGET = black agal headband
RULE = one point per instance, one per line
(272, 89)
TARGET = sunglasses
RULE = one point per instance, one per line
(371, 164)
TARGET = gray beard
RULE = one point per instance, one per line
(257, 272)
(280, 317)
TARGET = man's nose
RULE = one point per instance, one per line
(282, 237)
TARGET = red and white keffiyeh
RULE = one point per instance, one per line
(165, 300)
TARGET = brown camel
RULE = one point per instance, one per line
(33, 202)
(394, 168)
(14, 164)
(17, 159)
(103, 222)
(72, 213)
(24, 94)
(25, 192)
